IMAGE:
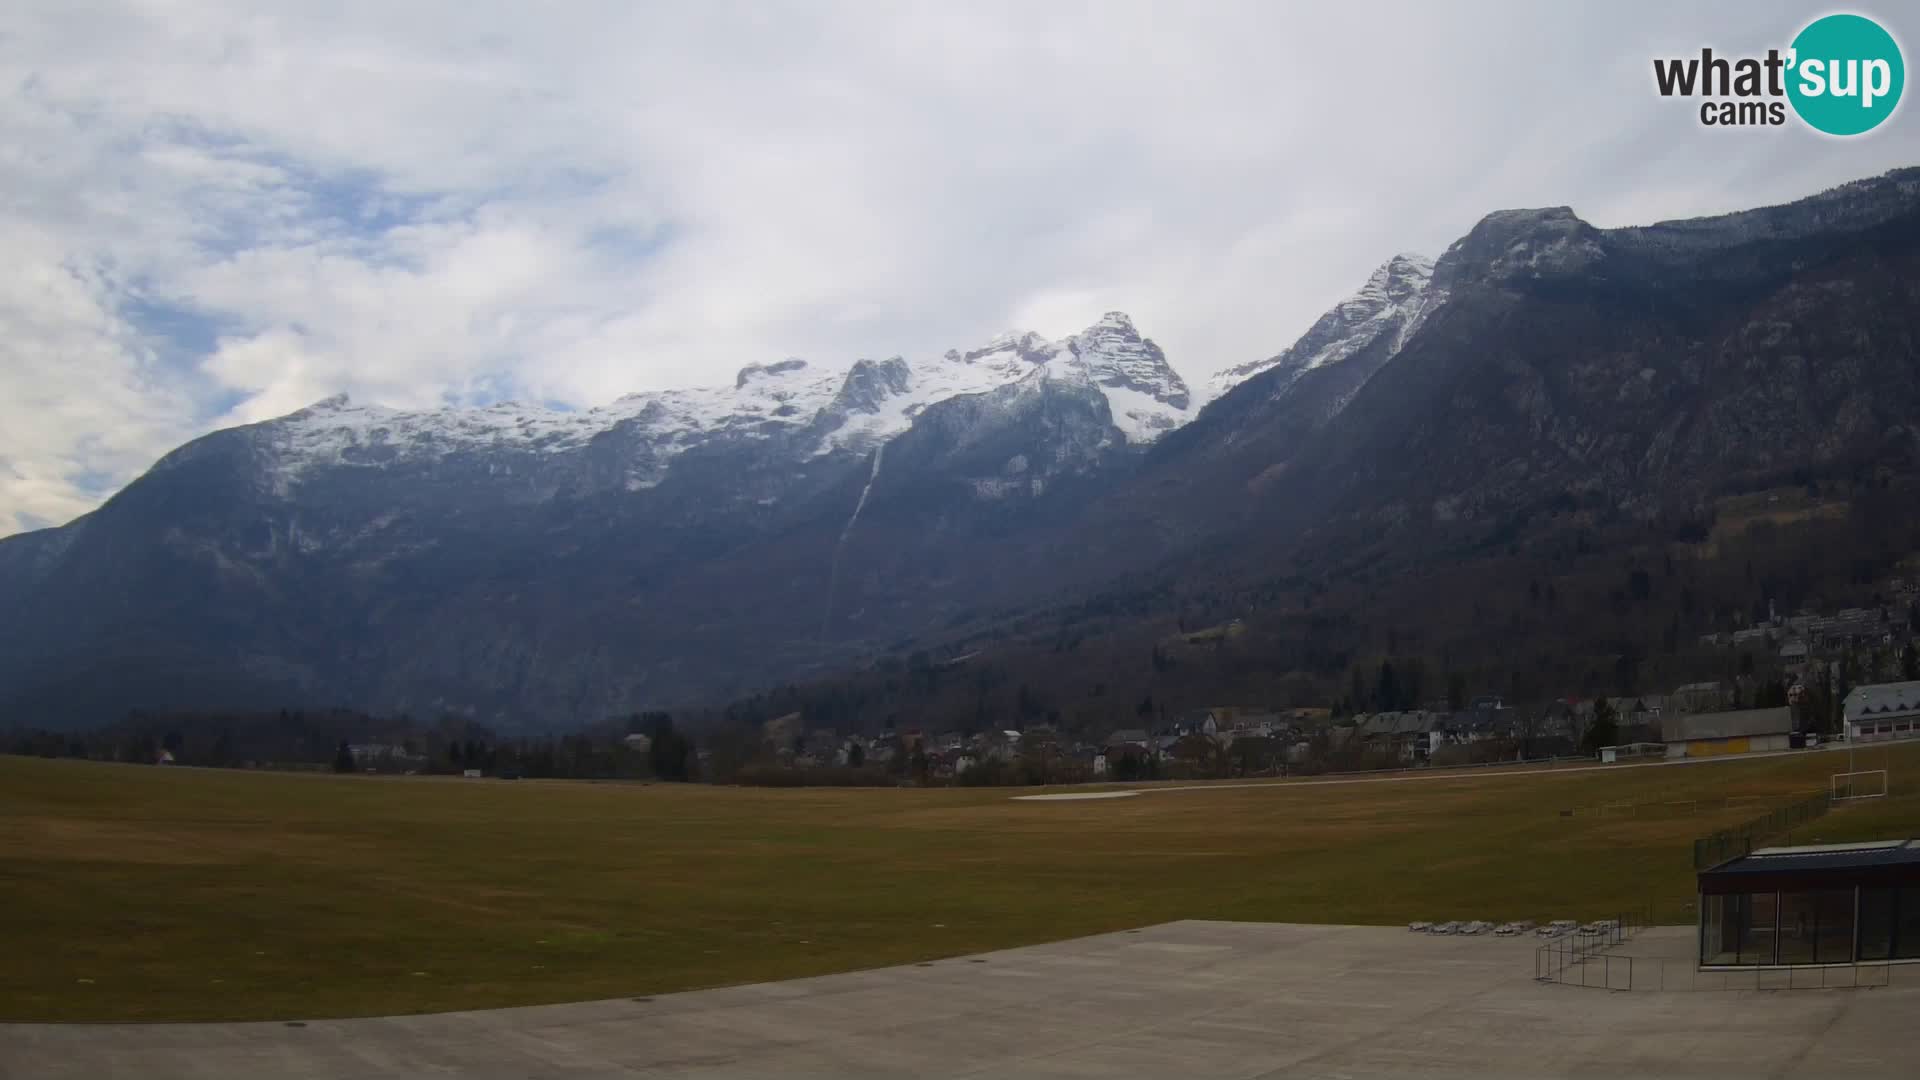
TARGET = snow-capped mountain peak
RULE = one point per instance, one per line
(869, 384)
(1147, 396)
(1397, 281)
(766, 372)
(1021, 344)
(817, 411)
(1395, 300)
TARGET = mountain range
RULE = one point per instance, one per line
(539, 568)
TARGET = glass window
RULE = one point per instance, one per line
(1758, 918)
(1876, 924)
(1720, 929)
(1816, 927)
(1834, 944)
(1906, 924)
(1799, 922)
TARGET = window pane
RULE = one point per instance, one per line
(1799, 919)
(1876, 924)
(1835, 943)
(1720, 934)
(1756, 930)
(1906, 925)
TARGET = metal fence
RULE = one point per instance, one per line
(1582, 964)
(1664, 808)
(1581, 957)
(1665, 974)
(1672, 975)
(1742, 839)
(1591, 959)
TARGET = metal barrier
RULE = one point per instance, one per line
(1553, 969)
(1664, 808)
(1742, 839)
(1570, 959)
(1622, 972)
(1821, 977)
(1589, 960)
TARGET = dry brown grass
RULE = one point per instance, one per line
(183, 894)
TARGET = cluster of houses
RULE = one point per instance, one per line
(1414, 736)
(1290, 737)
(1559, 729)
(1286, 733)
(1800, 639)
(787, 740)
(951, 753)
(1692, 721)
(369, 755)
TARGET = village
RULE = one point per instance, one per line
(1803, 679)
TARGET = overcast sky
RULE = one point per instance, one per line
(212, 216)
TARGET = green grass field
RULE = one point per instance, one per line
(134, 893)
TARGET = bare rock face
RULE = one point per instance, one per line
(1387, 309)
(1519, 244)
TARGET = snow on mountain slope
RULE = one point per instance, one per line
(822, 410)
(879, 401)
(339, 432)
(1148, 398)
(1396, 300)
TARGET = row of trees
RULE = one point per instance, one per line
(322, 739)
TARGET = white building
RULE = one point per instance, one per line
(1882, 711)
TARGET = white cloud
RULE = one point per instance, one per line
(85, 404)
(418, 203)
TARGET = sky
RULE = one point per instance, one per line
(214, 214)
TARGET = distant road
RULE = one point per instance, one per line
(1489, 772)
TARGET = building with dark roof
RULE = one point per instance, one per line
(1824, 904)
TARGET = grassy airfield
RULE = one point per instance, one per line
(136, 893)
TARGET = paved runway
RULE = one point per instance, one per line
(1186, 999)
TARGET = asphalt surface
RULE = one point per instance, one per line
(1186, 999)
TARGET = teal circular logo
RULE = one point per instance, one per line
(1846, 75)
